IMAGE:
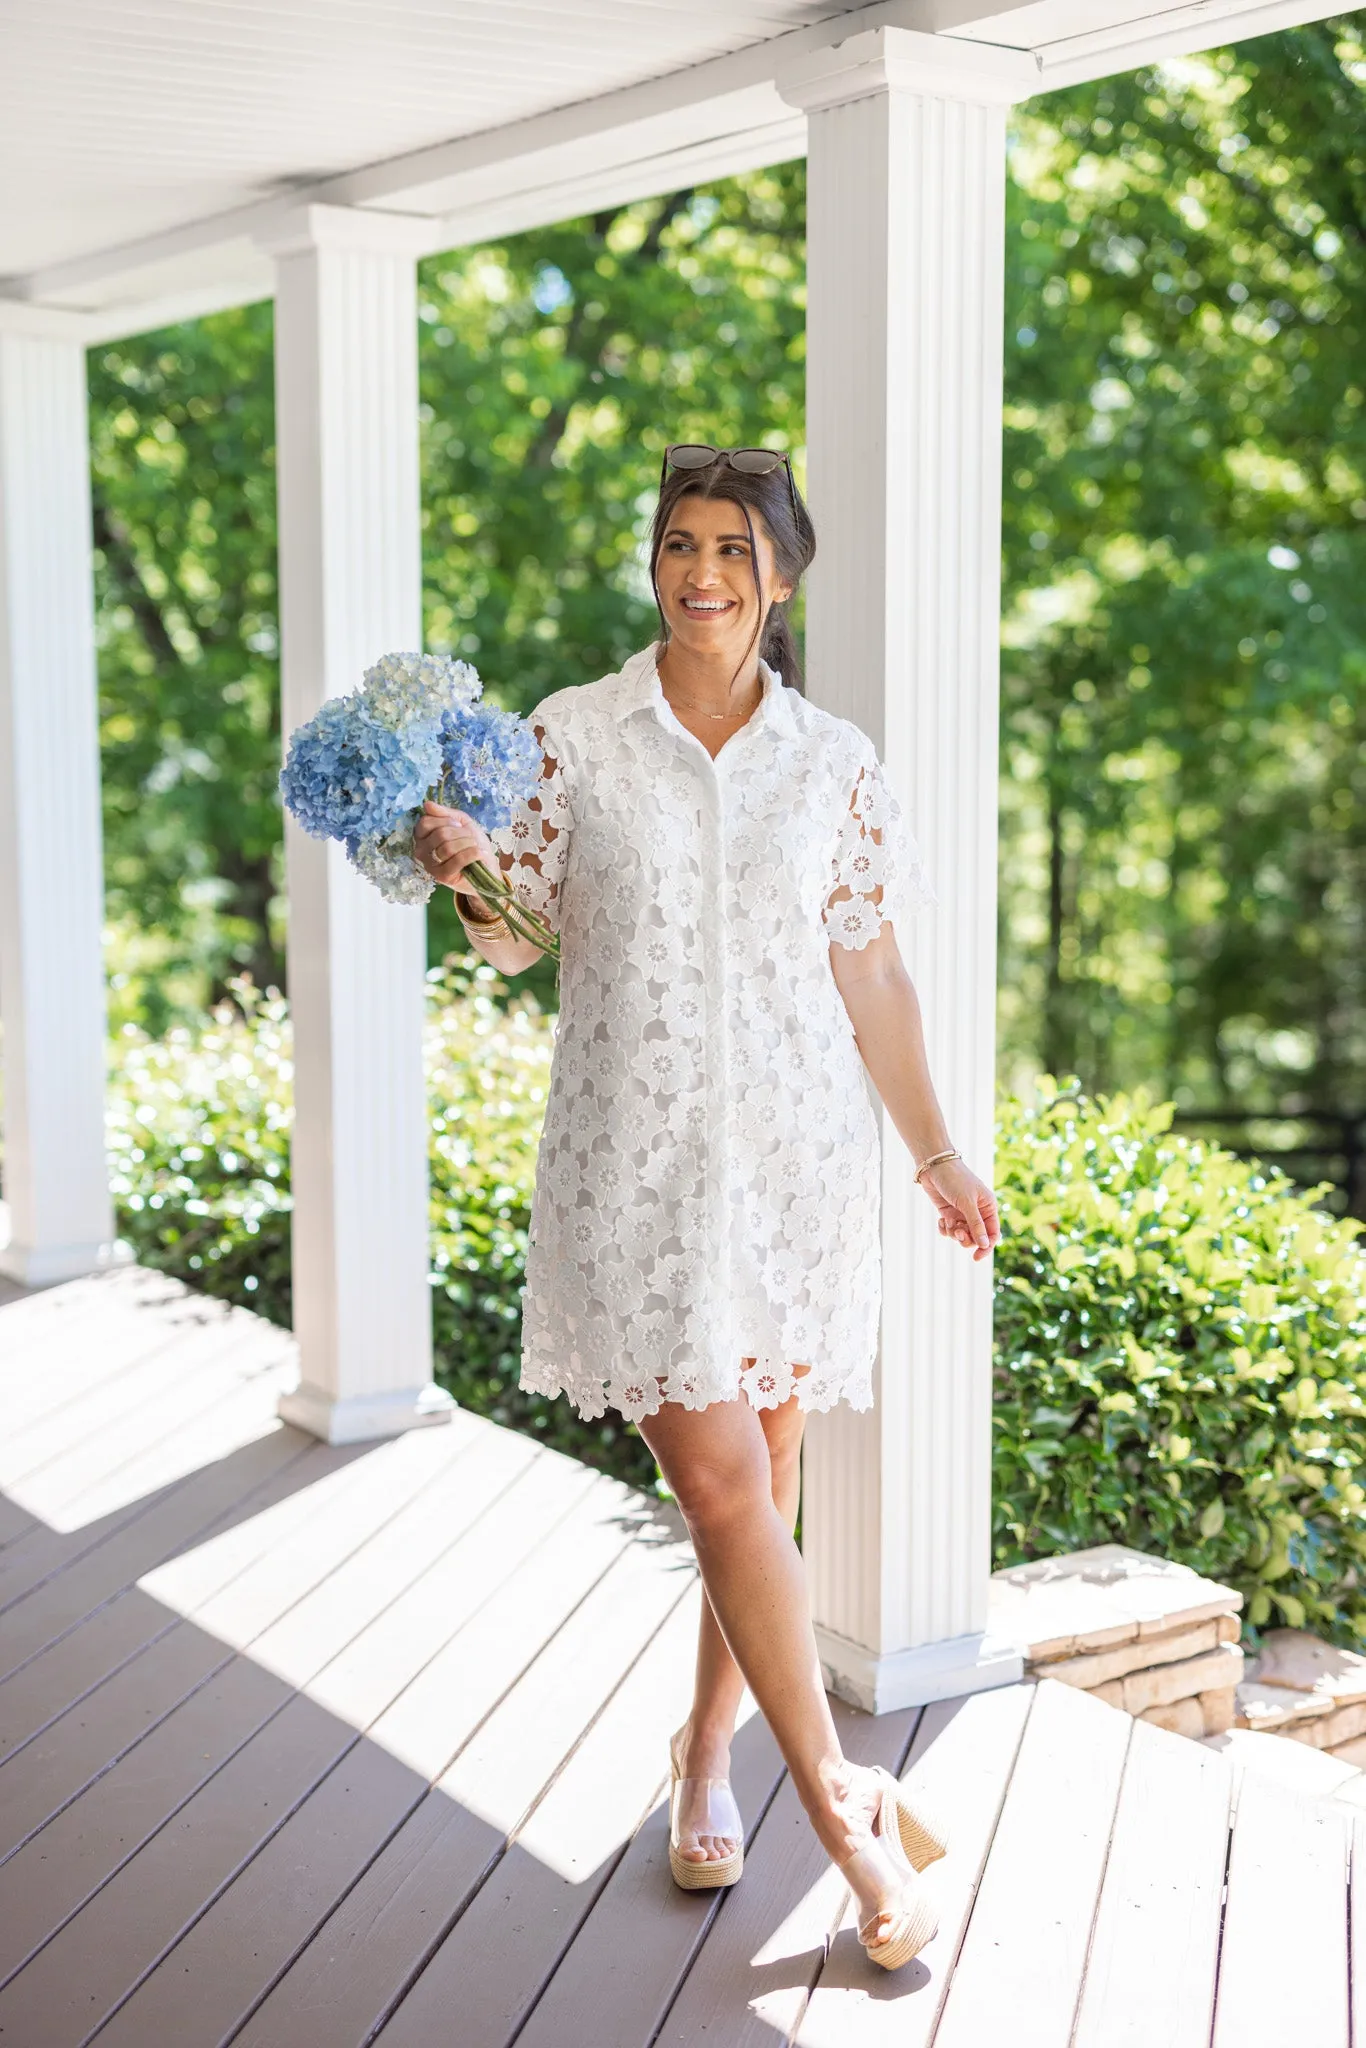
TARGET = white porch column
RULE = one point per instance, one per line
(52, 1006)
(350, 590)
(906, 177)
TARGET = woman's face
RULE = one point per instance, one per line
(706, 577)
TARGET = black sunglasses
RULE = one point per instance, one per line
(749, 461)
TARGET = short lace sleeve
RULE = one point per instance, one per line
(878, 876)
(533, 847)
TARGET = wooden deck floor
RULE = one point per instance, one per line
(308, 1748)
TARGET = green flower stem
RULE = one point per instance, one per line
(498, 895)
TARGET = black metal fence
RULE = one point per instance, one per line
(1312, 1145)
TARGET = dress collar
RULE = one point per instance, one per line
(639, 689)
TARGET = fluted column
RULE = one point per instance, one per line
(52, 997)
(350, 590)
(906, 177)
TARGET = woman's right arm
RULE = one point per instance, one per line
(445, 842)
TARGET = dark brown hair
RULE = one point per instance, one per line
(791, 534)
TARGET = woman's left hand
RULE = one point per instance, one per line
(967, 1207)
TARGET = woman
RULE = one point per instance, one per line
(726, 867)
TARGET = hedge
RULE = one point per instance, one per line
(1180, 1336)
(1180, 1360)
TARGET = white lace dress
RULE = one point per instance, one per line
(707, 1185)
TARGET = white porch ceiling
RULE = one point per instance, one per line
(120, 119)
(143, 143)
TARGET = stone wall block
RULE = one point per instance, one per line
(1215, 1671)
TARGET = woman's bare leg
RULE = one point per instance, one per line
(703, 1742)
(716, 1461)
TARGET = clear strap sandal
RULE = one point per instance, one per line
(886, 1886)
(702, 1806)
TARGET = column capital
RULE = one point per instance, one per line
(884, 60)
(44, 323)
(364, 228)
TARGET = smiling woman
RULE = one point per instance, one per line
(726, 867)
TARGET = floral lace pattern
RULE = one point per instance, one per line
(705, 1218)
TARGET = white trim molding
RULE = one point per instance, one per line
(350, 590)
(884, 1684)
(906, 206)
(900, 60)
(52, 994)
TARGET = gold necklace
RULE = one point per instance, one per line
(700, 713)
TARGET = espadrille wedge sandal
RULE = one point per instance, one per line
(702, 1806)
(883, 1882)
(924, 1836)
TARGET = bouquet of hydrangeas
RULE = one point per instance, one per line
(362, 767)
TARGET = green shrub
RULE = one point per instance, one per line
(199, 1137)
(1180, 1360)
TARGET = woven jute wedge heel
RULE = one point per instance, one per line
(883, 1882)
(723, 1817)
(924, 1836)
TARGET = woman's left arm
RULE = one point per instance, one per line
(885, 1012)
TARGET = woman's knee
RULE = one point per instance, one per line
(720, 1483)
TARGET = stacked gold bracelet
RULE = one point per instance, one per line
(488, 927)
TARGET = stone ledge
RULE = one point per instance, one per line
(1091, 1600)
(1146, 1635)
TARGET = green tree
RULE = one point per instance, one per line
(1185, 857)
(184, 502)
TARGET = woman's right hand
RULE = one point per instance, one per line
(446, 841)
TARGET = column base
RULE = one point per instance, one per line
(360, 1418)
(912, 1678)
(48, 1265)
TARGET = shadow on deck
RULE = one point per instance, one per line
(308, 1748)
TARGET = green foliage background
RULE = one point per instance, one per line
(1180, 1360)
(1184, 844)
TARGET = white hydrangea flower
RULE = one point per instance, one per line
(403, 687)
(389, 864)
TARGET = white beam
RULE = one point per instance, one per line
(350, 590)
(52, 1005)
(708, 120)
(906, 191)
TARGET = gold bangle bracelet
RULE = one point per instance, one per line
(938, 1159)
(497, 930)
(486, 916)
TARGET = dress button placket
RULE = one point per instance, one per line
(717, 1037)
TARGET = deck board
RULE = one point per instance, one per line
(1019, 1972)
(1284, 1965)
(304, 1747)
(1162, 1896)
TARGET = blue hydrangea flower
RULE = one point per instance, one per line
(360, 769)
(347, 776)
(490, 762)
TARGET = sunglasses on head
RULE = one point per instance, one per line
(688, 455)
